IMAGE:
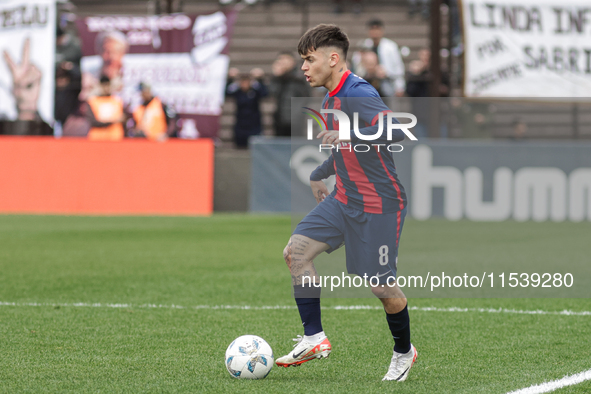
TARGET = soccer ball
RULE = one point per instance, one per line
(249, 357)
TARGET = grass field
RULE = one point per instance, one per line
(131, 304)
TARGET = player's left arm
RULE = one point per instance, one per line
(323, 171)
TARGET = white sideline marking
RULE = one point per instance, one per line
(264, 307)
(555, 384)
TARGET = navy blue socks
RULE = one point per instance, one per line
(309, 308)
(400, 327)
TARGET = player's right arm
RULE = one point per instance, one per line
(323, 171)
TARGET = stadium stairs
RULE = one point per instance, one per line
(262, 31)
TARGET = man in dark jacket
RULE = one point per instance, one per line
(285, 84)
(247, 90)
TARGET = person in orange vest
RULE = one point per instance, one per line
(153, 120)
(106, 115)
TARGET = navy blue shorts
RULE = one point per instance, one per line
(371, 240)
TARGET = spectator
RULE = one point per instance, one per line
(285, 84)
(418, 88)
(153, 119)
(388, 55)
(418, 85)
(357, 8)
(247, 91)
(418, 79)
(67, 50)
(105, 114)
(67, 89)
(476, 120)
(77, 123)
(67, 75)
(422, 6)
(374, 73)
(519, 130)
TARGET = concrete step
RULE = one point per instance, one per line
(259, 57)
(246, 38)
(391, 17)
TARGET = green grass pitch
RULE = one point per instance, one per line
(49, 344)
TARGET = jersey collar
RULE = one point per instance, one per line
(340, 85)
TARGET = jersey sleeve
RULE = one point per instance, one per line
(324, 170)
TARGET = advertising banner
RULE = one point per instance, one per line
(479, 181)
(184, 58)
(531, 49)
(27, 43)
(71, 176)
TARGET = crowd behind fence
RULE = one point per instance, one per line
(88, 101)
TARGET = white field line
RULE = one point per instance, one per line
(555, 384)
(265, 307)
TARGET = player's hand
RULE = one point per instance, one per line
(329, 137)
(26, 81)
(319, 190)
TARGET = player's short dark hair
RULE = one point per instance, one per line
(323, 36)
(375, 23)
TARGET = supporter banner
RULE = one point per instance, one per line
(480, 181)
(537, 48)
(183, 57)
(27, 43)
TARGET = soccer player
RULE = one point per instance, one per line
(365, 211)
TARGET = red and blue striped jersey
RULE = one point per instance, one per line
(366, 181)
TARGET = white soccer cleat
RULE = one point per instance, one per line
(305, 351)
(401, 365)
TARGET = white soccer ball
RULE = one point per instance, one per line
(249, 357)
